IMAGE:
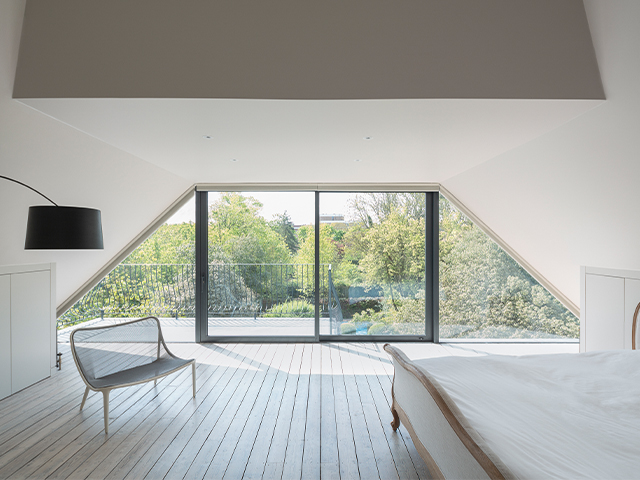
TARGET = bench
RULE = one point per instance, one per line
(121, 355)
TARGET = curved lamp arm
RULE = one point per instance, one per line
(30, 188)
(61, 228)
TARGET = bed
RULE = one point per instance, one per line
(529, 417)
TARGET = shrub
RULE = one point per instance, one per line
(349, 310)
(291, 308)
(348, 328)
(397, 329)
(378, 329)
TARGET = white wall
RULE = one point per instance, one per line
(571, 197)
(71, 168)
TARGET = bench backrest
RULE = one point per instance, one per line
(104, 350)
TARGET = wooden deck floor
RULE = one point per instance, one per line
(261, 411)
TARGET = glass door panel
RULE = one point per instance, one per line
(260, 265)
(372, 254)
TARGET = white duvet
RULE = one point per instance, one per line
(552, 416)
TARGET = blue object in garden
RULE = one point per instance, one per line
(362, 328)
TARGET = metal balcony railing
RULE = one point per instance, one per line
(246, 290)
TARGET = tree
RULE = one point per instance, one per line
(371, 208)
(237, 229)
(485, 293)
(307, 253)
(328, 248)
(283, 226)
(396, 254)
(169, 244)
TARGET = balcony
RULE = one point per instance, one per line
(255, 299)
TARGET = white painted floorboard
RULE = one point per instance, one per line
(276, 411)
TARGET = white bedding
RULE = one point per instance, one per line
(551, 416)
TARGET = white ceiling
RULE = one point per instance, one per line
(277, 141)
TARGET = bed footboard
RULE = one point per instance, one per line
(450, 447)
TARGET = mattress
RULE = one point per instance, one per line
(551, 416)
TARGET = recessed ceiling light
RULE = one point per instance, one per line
(357, 160)
(234, 159)
(367, 138)
(206, 136)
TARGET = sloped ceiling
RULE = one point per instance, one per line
(474, 98)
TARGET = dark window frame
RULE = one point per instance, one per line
(432, 237)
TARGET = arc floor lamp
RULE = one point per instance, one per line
(55, 227)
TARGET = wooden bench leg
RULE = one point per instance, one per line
(84, 398)
(105, 401)
(193, 378)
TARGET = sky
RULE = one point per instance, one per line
(299, 205)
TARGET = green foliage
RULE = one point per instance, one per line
(350, 309)
(237, 230)
(380, 254)
(137, 291)
(407, 310)
(238, 234)
(396, 253)
(328, 247)
(303, 232)
(370, 208)
(283, 226)
(485, 293)
(348, 328)
(355, 248)
(292, 308)
(170, 243)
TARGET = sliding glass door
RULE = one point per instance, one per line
(375, 246)
(310, 266)
(260, 270)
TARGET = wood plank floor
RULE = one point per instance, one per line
(286, 411)
(281, 411)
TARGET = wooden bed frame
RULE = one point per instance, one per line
(450, 447)
(446, 441)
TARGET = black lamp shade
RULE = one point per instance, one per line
(63, 228)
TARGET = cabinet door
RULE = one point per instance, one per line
(5, 335)
(631, 300)
(604, 315)
(30, 328)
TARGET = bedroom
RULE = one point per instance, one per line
(561, 198)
